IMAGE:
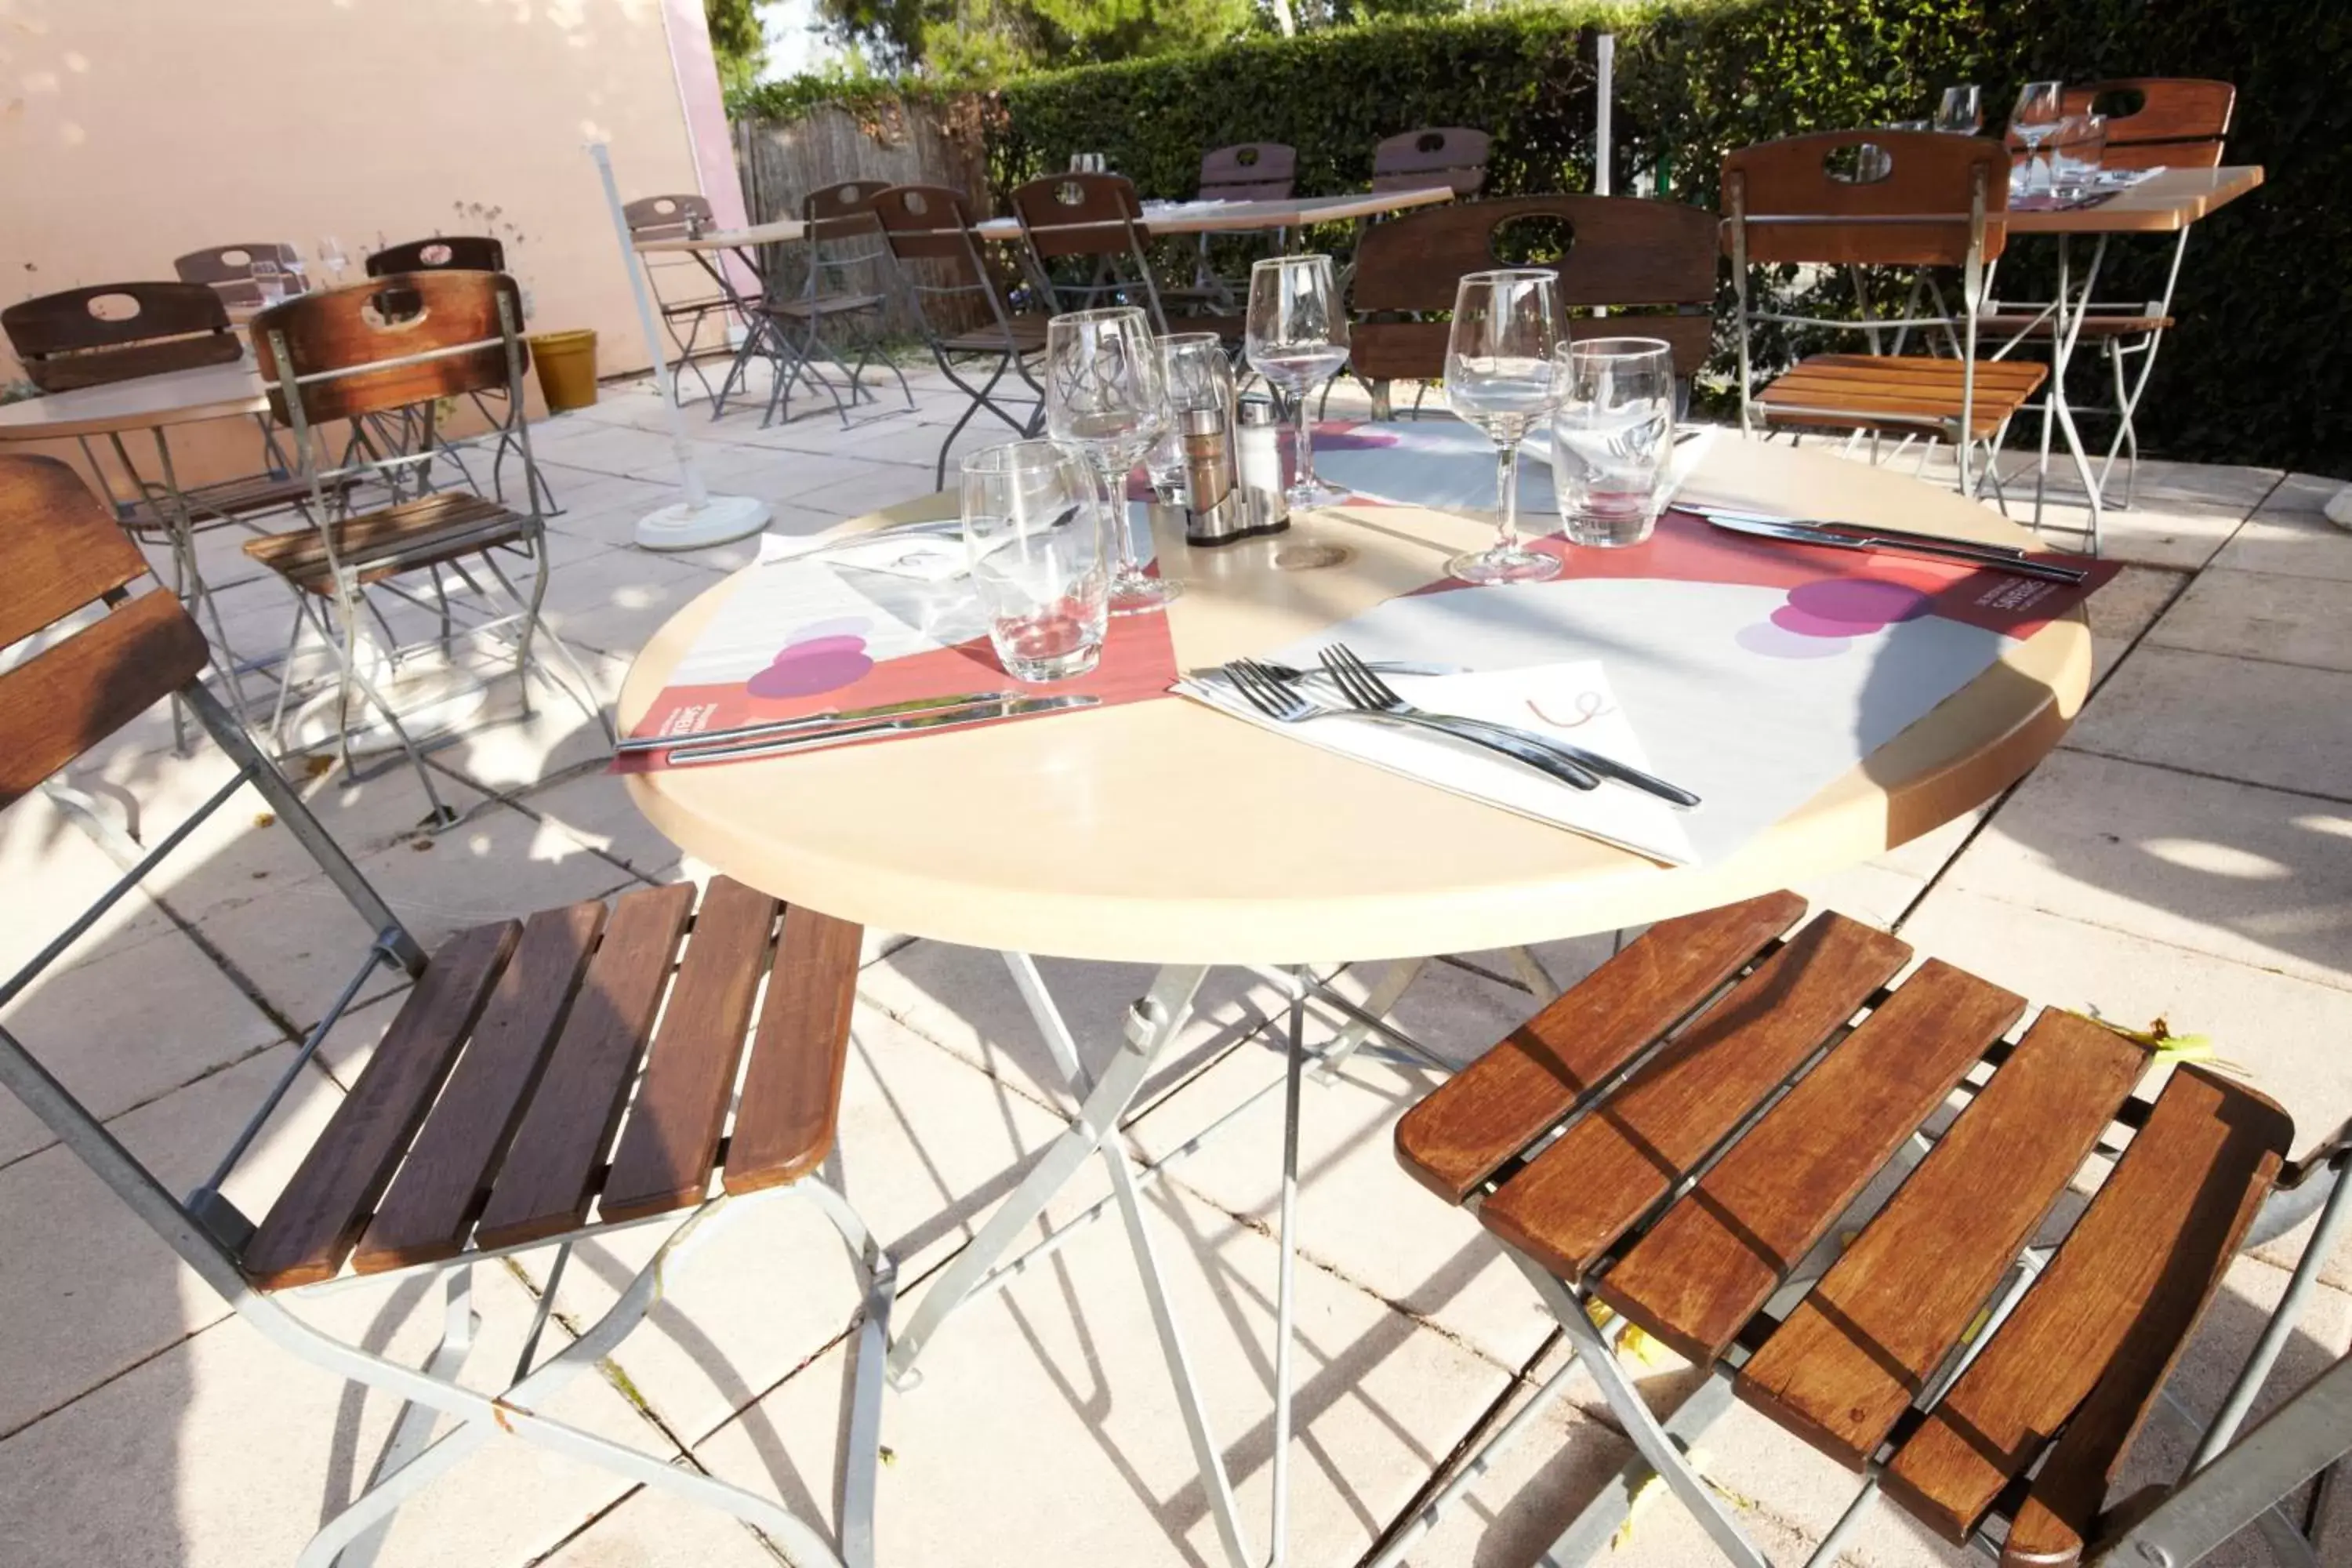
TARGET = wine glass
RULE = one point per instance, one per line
(2034, 121)
(1195, 377)
(332, 256)
(1499, 377)
(269, 280)
(1960, 111)
(1105, 395)
(1299, 339)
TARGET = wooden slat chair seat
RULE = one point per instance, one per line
(1899, 393)
(545, 1078)
(375, 545)
(1675, 1136)
(488, 1115)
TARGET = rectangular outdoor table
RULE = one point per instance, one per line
(1241, 217)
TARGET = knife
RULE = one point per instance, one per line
(1805, 534)
(807, 721)
(1856, 530)
(986, 713)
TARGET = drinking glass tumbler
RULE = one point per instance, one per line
(1036, 526)
(1613, 438)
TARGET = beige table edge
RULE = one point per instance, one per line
(1966, 750)
(2166, 204)
(141, 403)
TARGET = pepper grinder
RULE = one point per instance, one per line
(1214, 507)
(1258, 445)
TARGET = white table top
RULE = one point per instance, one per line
(1162, 832)
(782, 231)
(2165, 202)
(147, 402)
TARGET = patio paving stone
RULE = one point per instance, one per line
(2252, 721)
(2287, 617)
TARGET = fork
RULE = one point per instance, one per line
(1367, 693)
(1284, 703)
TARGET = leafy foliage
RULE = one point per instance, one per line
(737, 41)
(989, 39)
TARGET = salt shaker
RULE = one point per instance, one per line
(1257, 443)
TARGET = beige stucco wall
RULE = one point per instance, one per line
(132, 130)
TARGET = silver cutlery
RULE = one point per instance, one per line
(1856, 530)
(1367, 691)
(831, 716)
(1283, 702)
(1992, 558)
(1291, 672)
(986, 713)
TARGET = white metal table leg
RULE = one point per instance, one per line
(1380, 1004)
(1151, 1028)
(2070, 312)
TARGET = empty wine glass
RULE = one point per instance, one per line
(1960, 111)
(1299, 339)
(267, 281)
(2076, 151)
(1499, 377)
(1104, 394)
(2033, 122)
(1613, 438)
(332, 256)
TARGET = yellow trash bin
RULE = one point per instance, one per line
(567, 368)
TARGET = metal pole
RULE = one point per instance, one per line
(1603, 132)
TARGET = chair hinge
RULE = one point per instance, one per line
(222, 1220)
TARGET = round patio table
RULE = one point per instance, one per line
(1165, 832)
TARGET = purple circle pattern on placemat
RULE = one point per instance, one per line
(1821, 620)
(825, 657)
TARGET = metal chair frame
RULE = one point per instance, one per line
(682, 215)
(961, 252)
(845, 241)
(399, 470)
(1114, 237)
(207, 1231)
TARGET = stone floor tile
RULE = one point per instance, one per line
(1925, 856)
(2241, 873)
(111, 1292)
(300, 944)
(595, 809)
(40, 844)
(1874, 895)
(661, 1530)
(225, 1451)
(2232, 717)
(122, 1028)
(502, 748)
(2284, 1033)
(886, 485)
(778, 476)
(1090, 1462)
(620, 451)
(2291, 618)
(2292, 539)
(925, 1149)
(615, 602)
(2132, 600)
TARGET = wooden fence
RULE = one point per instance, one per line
(781, 161)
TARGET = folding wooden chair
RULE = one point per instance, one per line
(497, 1114)
(463, 252)
(1614, 252)
(939, 263)
(848, 259)
(1683, 1136)
(1450, 155)
(396, 346)
(1246, 172)
(681, 285)
(118, 332)
(1912, 200)
(2174, 122)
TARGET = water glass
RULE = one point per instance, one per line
(2076, 151)
(1297, 339)
(332, 256)
(1196, 375)
(1613, 438)
(2033, 122)
(269, 280)
(1501, 376)
(1960, 111)
(1104, 394)
(1037, 527)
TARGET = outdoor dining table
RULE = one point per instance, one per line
(1165, 832)
(2169, 201)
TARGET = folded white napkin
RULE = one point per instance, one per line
(924, 557)
(1568, 701)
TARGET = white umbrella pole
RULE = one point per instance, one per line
(1603, 131)
(702, 518)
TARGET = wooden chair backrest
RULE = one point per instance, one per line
(841, 211)
(61, 550)
(666, 217)
(1615, 251)
(373, 331)
(2179, 121)
(931, 222)
(113, 331)
(1250, 171)
(1803, 203)
(1452, 155)
(454, 252)
(1080, 215)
